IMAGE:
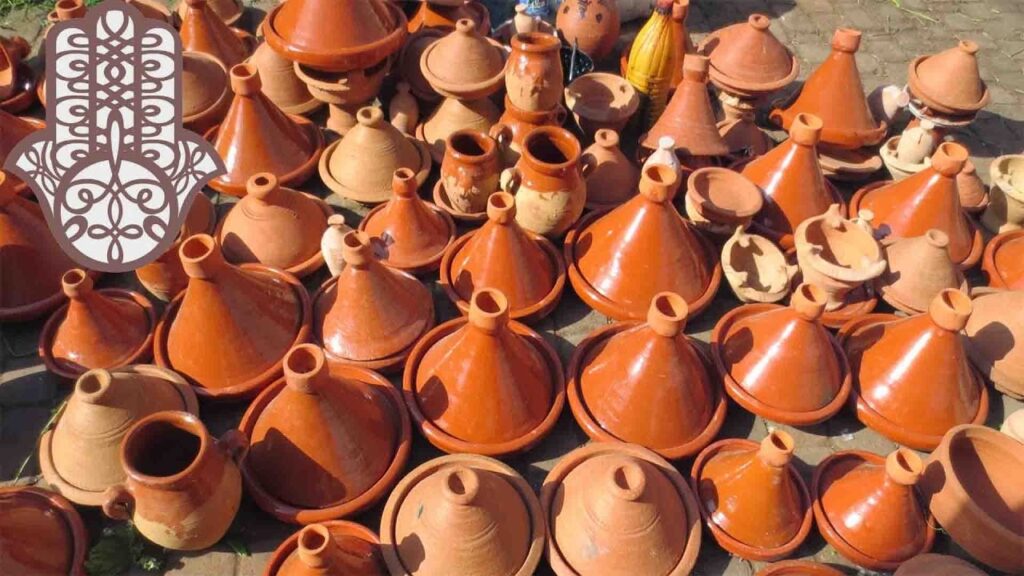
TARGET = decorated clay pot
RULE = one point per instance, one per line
(533, 78)
(601, 101)
(470, 171)
(332, 547)
(718, 200)
(1006, 209)
(756, 269)
(655, 58)
(613, 178)
(41, 533)
(548, 182)
(589, 26)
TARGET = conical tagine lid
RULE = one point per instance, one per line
(203, 31)
(204, 83)
(13, 129)
(40, 533)
(989, 329)
(689, 118)
(229, 11)
(919, 268)
(280, 83)
(747, 58)
(322, 550)
(464, 64)
(950, 81)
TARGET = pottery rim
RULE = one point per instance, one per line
(480, 89)
(861, 301)
(988, 264)
(744, 197)
(897, 167)
(337, 528)
(441, 201)
(183, 421)
(77, 534)
(216, 110)
(175, 18)
(999, 172)
(737, 86)
(397, 499)
(798, 568)
(624, 103)
(341, 189)
(25, 94)
(21, 187)
(832, 267)
(768, 251)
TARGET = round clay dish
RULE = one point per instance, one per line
(441, 201)
(78, 537)
(996, 279)
(422, 171)
(427, 264)
(25, 94)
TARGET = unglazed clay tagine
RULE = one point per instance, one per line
(689, 118)
(205, 92)
(327, 441)
(990, 331)
(756, 269)
(40, 533)
(618, 509)
(280, 83)
(601, 100)
(445, 15)
(481, 63)
(229, 11)
(462, 514)
(613, 178)
(949, 82)
(719, 199)
(79, 457)
(919, 268)
(1005, 212)
(332, 547)
(165, 277)
(748, 60)
(937, 565)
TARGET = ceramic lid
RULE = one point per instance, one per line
(330, 548)
(280, 83)
(203, 31)
(464, 64)
(229, 11)
(614, 177)
(204, 83)
(40, 533)
(723, 196)
(919, 268)
(950, 81)
(409, 62)
(747, 58)
(990, 330)
(689, 118)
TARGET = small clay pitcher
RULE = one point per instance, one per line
(470, 171)
(332, 245)
(533, 78)
(614, 178)
(183, 487)
(592, 27)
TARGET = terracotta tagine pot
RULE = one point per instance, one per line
(332, 243)
(79, 456)
(205, 93)
(756, 269)
(533, 77)
(165, 277)
(370, 315)
(207, 331)
(454, 115)
(995, 339)
(481, 63)
(834, 93)
(892, 359)
(526, 267)
(275, 226)
(182, 487)
(13, 51)
(280, 83)
(326, 441)
(666, 251)
(1005, 212)
(867, 507)
(244, 138)
(919, 269)
(411, 234)
(15, 129)
(926, 200)
(601, 101)
(41, 533)
(332, 547)
(470, 173)
(949, 82)
(798, 568)
(780, 362)
(444, 15)
(744, 137)
(718, 200)
(617, 509)
(974, 197)
(362, 164)
(972, 487)
(748, 60)
(937, 565)
(625, 370)
(107, 328)
(229, 11)
(654, 61)
(202, 30)
(462, 514)
(689, 118)
(752, 498)
(404, 110)
(613, 178)
(592, 28)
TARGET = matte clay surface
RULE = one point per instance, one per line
(689, 118)
(329, 548)
(950, 82)
(613, 178)
(464, 64)
(919, 268)
(748, 60)
(592, 26)
(202, 30)
(995, 339)
(1004, 261)
(548, 182)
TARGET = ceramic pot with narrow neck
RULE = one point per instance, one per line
(470, 170)
(533, 78)
(593, 27)
(331, 548)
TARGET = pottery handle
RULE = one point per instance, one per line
(510, 180)
(235, 444)
(502, 134)
(118, 502)
(587, 165)
(560, 115)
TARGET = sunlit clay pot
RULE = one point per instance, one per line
(452, 116)
(462, 514)
(718, 200)
(780, 362)
(618, 509)
(370, 315)
(165, 277)
(202, 30)
(205, 93)
(744, 137)
(526, 267)
(592, 27)
(689, 118)
(752, 498)
(1005, 212)
(613, 178)
(919, 268)
(480, 68)
(533, 77)
(893, 359)
(79, 457)
(898, 168)
(757, 271)
(41, 533)
(520, 123)
(995, 339)
(229, 330)
(601, 101)
(408, 65)
(444, 15)
(328, 548)
(182, 487)
(973, 191)
(229, 11)
(470, 172)
(748, 60)
(345, 92)
(280, 83)
(798, 568)
(937, 565)
(327, 441)
(332, 243)
(1013, 425)
(404, 110)
(949, 82)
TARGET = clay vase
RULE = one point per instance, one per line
(791, 179)
(591, 27)
(647, 384)
(207, 331)
(973, 192)
(892, 359)
(470, 172)
(332, 547)
(949, 82)
(1005, 212)
(618, 274)
(480, 69)
(362, 164)
(205, 93)
(689, 118)
(747, 60)
(835, 94)
(798, 568)
(41, 533)
(613, 178)
(837, 254)
(410, 234)
(533, 77)
(995, 340)
(332, 244)
(718, 200)
(618, 509)
(404, 110)
(757, 271)
(526, 267)
(327, 441)
(370, 315)
(256, 136)
(462, 514)
(919, 268)
(601, 101)
(654, 61)
(453, 115)
(107, 328)
(182, 487)
(665, 155)
(781, 363)
(275, 226)
(548, 182)
(937, 565)
(927, 200)
(229, 11)
(752, 498)
(280, 83)
(867, 507)
(202, 30)
(520, 123)
(79, 457)
(165, 277)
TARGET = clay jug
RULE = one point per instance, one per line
(205, 92)
(321, 552)
(653, 62)
(533, 77)
(164, 277)
(950, 82)
(404, 110)
(183, 487)
(521, 122)
(689, 118)
(203, 31)
(748, 60)
(756, 268)
(548, 182)
(589, 26)
(280, 84)
(332, 245)
(41, 533)
(919, 268)
(613, 178)
(470, 170)
(990, 329)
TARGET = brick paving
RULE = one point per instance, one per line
(892, 37)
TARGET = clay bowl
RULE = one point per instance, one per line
(798, 568)
(972, 485)
(442, 202)
(339, 529)
(288, 513)
(427, 264)
(862, 300)
(35, 501)
(848, 165)
(25, 93)
(341, 188)
(1003, 262)
(721, 199)
(601, 100)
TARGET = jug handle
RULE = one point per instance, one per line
(560, 115)
(118, 502)
(587, 165)
(502, 134)
(235, 444)
(510, 180)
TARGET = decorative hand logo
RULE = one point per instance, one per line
(114, 171)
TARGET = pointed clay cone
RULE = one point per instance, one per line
(165, 278)
(412, 233)
(972, 189)
(616, 508)
(106, 328)
(526, 267)
(790, 176)
(463, 514)
(280, 84)
(256, 136)
(937, 565)
(748, 60)
(689, 118)
(205, 93)
(926, 200)
(484, 364)
(41, 533)
(275, 226)
(919, 268)
(893, 361)
(230, 329)
(229, 11)
(319, 552)
(618, 274)
(752, 498)
(614, 178)
(203, 31)
(990, 330)
(949, 82)
(647, 384)
(325, 442)
(780, 362)
(370, 315)
(80, 457)
(15, 129)
(867, 507)
(481, 65)
(834, 93)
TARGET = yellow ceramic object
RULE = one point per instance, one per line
(652, 61)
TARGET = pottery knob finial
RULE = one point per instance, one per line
(695, 68)
(245, 78)
(201, 257)
(666, 143)
(262, 186)
(315, 541)
(370, 116)
(355, 249)
(606, 138)
(846, 40)
(461, 485)
(465, 26)
(937, 238)
(680, 8)
(92, 386)
(501, 208)
(968, 47)
(76, 283)
(488, 310)
(303, 365)
(949, 159)
(809, 301)
(658, 182)
(403, 183)
(667, 314)
(806, 129)
(776, 449)
(904, 466)
(759, 22)
(951, 309)
(628, 480)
